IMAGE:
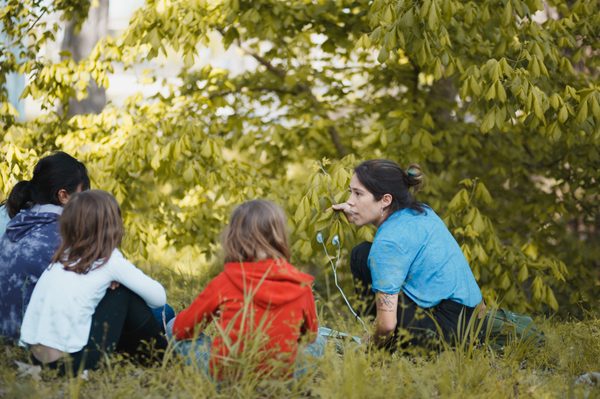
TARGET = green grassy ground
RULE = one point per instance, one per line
(348, 371)
(551, 371)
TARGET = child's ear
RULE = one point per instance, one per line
(63, 196)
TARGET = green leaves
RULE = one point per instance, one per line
(313, 215)
(502, 269)
(487, 100)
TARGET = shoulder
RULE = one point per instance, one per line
(219, 280)
(218, 285)
(303, 278)
(401, 225)
(51, 274)
(118, 260)
(48, 229)
(117, 255)
(406, 228)
(411, 219)
(433, 221)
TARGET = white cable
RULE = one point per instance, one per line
(336, 242)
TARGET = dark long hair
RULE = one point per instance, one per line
(51, 174)
(91, 228)
(381, 176)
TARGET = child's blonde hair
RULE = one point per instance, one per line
(257, 231)
(91, 228)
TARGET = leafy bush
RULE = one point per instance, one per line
(501, 110)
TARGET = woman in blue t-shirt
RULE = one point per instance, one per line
(414, 271)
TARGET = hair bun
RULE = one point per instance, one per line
(19, 198)
(414, 176)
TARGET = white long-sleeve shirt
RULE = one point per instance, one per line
(59, 314)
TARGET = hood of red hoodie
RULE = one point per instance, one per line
(270, 282)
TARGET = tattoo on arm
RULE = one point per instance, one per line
(385, 303)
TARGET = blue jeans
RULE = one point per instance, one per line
(198, 351)
(163, 315)
(311, 352)
(194, 351)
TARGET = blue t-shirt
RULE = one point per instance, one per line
(416, 253)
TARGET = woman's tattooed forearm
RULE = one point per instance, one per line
(386, 303)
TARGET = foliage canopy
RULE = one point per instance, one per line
(500, 108)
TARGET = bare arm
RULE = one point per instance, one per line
(386, 320)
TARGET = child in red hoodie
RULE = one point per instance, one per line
(259, 299)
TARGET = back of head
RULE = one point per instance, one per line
(91, 228)
(53, 173)
(257, 231)
(382, 176)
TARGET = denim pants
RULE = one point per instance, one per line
(163, 315)
(197, 352)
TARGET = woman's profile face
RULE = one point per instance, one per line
(363, 208)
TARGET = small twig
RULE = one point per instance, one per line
(19, 39)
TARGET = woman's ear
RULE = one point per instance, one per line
(386, 200)
(63, 196)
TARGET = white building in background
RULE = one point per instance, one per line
(124, 83)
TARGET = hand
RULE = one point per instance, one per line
(341, 207)
(114, 285)
(344, 207)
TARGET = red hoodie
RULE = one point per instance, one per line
(281, 304)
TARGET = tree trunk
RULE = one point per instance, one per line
(80, 42)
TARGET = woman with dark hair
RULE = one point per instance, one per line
(32, 234)
(414, 271)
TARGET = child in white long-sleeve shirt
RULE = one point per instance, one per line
(91, 300)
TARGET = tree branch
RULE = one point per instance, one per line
(281, 73)
(21, 37)
(278, 90)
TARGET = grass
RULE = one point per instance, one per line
(346, 371)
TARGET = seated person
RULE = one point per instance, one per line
(259, 294)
